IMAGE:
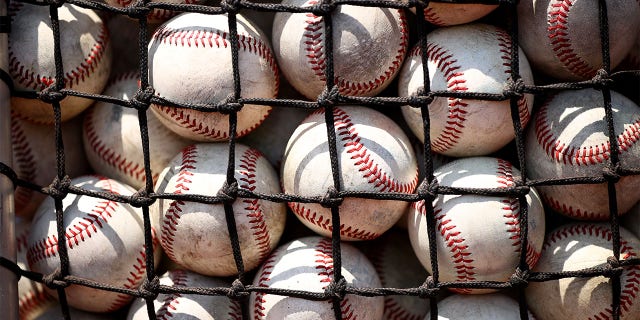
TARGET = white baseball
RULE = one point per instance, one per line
(575, 247)
(472, 251)
(447, 14)
(111, 135)
(195, 235)
(32, 298)
(86, 57)
(156, 15)
(398, 267)
(307, 264)
(374, 155)
(104, 239)
(493, 306)
(190, 62)
(177, 306)
(34, 158)
(568, 139)
(369, 46)
(467, 58)
(562, 37)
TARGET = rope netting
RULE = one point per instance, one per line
(428, 189)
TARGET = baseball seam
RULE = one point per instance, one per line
(570, 211)
(170, 302)
(235, 311)
(432, 16)
(25, 160)
(28, 78)
(319, 219)
(454, 125)
(558, 34)
(587, 155)
(313, 39)
(631, 284)
(324, 268)
(190, 119)
(253, 207)
(505, 44)
(263, 282)
(174, 212)
(135, 277)
(32, 302)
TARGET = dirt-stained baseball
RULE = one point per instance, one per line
(369, 46)
(86, 57)
(178, 306)
(562, 37)
(468, 250)
(104, 239)
(195, 235)
(574, 247)
(307, 264)
(190, 63)
(568, 139)
(494, 306)
(466, 58)
(374, 155)
(447, 14)
(111, 135)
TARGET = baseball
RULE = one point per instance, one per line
(448, 14)
(575, 247)
(86, 57)
(568, 139)
(307, 264)
(465, 127)
(369, 46)
(177, 306)
(468, 250)
(374, 155)
(105, 243)
(190, 63)
(398, 267)
(156, 15)
(562, 37)
(34, 158)
(195, 235)
(493, 306)
(111, 135)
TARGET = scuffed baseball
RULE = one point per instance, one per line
(374, 155)
(104, 239)
(34, 158)
(156, 15)
(195, 235)
(86, 57)
(575, 247)
(568, 139)
(493, 306)
(369, 46)
(113, 144)
(398, 267)
(190, 63)
(562, 37)
(463, 59)
(178, 306)
(307, 264)
(447, 14)
(466, 249)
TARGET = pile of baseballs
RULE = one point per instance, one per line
(285, 153)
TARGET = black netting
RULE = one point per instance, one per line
(427, 190)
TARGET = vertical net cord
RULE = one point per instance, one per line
(60, 160)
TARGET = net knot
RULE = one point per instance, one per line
(336, 289)
(514, 88)
(328, 98)
(323, 8)
(51, 95)
(230, 6)
(237, 290)
(142, 99)
(54, 280)
(428, 191)
(141, 199)
(9, 173)
(613, 268)
(150, 289)
(138, 11)
(420, 99)
(602, 80)
(611, 173)
(331, 198)
(520, 278)
(229, 191)
(59, 188)
(230, 105)
(428, 289)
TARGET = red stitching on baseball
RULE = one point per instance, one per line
(136, 276)
(432, 16)
(575, 155)
(313, 40)
(252, 206)
(324, 267)
(235, 312)
(325, 223)
(456, 83)
(28, 78)
(31, 302)
(561, 43)
(170, 302)
(78, 232)
(505, 44)
(568, 210)
(263, 281)
(25, 161)
(111, 157)
(631, 286)
(174, 212)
